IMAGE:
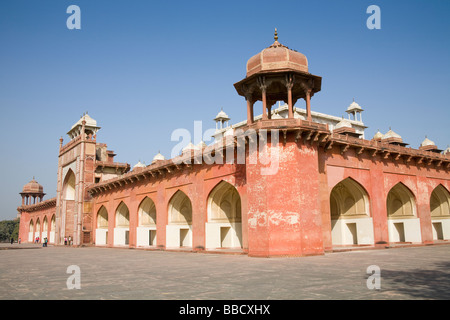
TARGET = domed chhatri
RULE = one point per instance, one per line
(138, 165)
(393, 138)
(378, 136)
(277, 57)
(32, 191)
(428, 145)
(158, 157)
(33, 187)
(277, 73)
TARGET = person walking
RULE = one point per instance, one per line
(12, 240)
(65, 241)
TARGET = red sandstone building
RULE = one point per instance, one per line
(332, 187)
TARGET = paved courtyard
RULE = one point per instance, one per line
(106, 273)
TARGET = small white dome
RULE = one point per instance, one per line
(221, 116)
(427, 142)
(447, 151)
(344, 123)
(378, 135)
(391, 134)
(158, 157)
(139, 165)
(354, 107)
(89, 121)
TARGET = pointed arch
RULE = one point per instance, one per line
(403, 223)
(147, 212)
(224, 227)
(68, 190)
(440, 213)
(53, 223)
(122, 216)
(122, 225)
(52, 228)
(401, 202)
(180, 209)
(440, 202)
(38, 225)
(224, 203)
(45, 224)
(101, 232)
(179, 228)
(351, 222)
(102, 218)
(348, 198)
(31, 231)
(31, 226)
(146, 229)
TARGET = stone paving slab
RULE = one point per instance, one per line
(109, 273)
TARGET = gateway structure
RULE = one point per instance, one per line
(332, 187)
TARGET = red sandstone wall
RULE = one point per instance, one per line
(26, 217)
(377, 176)
(196, 182)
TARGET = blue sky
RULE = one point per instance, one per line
(145, 68)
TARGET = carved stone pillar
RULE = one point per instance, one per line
(263, 87)
(250, 103)
(289, 82)
(308, 105)
(307, 87)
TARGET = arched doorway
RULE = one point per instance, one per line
(179, 229)
(44, 228)
(37, 231)
(224, 226)
(440, 213)
(403, 224)
(101, 232)
(31, 232)
(122, 227)
(146, 230)
(68, 206)
(351, 223)
(52, 229)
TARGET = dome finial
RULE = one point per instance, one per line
(276, 35)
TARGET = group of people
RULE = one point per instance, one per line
(68, 241)
(44, 244)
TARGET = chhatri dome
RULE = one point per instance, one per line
(344, 123)
(158, 157)
(277, 57)
(427, 142)
(139, 165)
(392, 134)
(378, 135)
(32, 192)
(33, 187)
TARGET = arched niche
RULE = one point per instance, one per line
(69, 186)
(180, 209)
(351, 222)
